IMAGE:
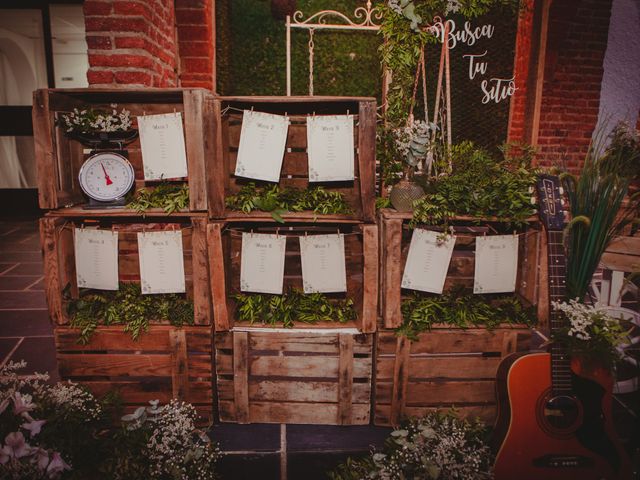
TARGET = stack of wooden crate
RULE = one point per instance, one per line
(315, 373)
(446, 366)
(166, 361)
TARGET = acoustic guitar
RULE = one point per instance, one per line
(554, 416)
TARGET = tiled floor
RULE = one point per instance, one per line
(25, 331)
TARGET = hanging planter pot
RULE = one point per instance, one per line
(104, 139)
(404, 193)
(281, 8)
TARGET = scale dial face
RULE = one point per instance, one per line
(106, 176)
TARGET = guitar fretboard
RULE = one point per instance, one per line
(560, 361)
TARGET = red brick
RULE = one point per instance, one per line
(134, 78)
(196, 65)
(202, 34)
(195, 49)
(120, 61)
(192, 17)
(131, 42)
(116, 24)
(99, 42)
(93, 7)
(99, 76)
(133, 8)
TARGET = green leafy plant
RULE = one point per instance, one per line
(590, 332)
(171, 197)
(293, 306)
(480, 186)
(279, 201)
(597, 210)
(463, 309)
(126, 306)
(439, 446)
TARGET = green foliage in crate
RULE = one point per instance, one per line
(279, 200)
(293, 306)
(463, 309)
(171, 197)
(126, 306)
(480, 186)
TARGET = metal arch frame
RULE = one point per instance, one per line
(364, 19)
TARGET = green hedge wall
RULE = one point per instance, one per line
(252, 55)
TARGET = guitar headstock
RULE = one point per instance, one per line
(550, 200)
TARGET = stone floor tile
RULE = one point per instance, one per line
(25, 323)
(255, 437)
(306, 438)
(25, 300)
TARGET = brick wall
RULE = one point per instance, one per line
(195, 22)
(576, 44)
(131, 43)
(521, 68)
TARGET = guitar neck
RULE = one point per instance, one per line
(560, 361)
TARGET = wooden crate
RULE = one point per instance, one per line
(361, 256)
(59, 262)
(59, 158)
(309, 377)
(360, 193)
(164, 363)
(445, 367)
(395, 236)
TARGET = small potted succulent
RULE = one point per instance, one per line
(415, 143)
(95, 127)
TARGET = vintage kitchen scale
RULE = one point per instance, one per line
(106, 176)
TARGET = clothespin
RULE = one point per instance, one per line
(515, 233)
(252, 108)
(278, 232)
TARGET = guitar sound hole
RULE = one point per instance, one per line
(562, 412)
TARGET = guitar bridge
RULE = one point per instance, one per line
(563, 461)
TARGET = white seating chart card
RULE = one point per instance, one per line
(323, 263)
(428, 261)
(96, 254)
(330, 148)
(496, 264)
(263, 138)
(162, 144)
(161, 262)
(262, 264)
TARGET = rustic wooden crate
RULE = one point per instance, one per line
(361, 255)
(59, 158)
(164, 363)
(445, 367)
(56, 235)
(395, 236)
(360, 193)
(309, 377)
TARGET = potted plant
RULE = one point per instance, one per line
(98, 127)
(415, 143)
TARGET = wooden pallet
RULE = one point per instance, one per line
(361, 254)
(395, 236)
(165, 363)
(310, 377)
(444, 368)
(56, 235)
(59, 158)
(360, 193)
